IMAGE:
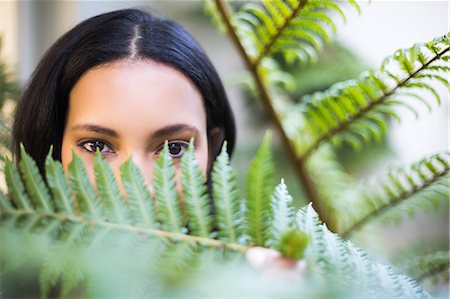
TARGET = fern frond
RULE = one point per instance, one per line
(138, 197)
(357, 111)
(344, 262)
(259, 180)
(60, 269)
(75, 226)
(49, 275)
(56, 180)
(71, 248)
(104, 227)
(70, 278)
(195, 194)
(292, 28)
(87, 200)
(414, 187)
(16, 187)
(210, 9)
(5, 204)
(34, 184)
(175, 258)
(282, 212)
(284, 237)
(108, 189)
(227, 202)
(166, 195)
(430, 266)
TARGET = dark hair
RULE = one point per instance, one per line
(41, 114)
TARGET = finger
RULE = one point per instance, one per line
(259, 257)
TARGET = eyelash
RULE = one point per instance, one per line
(184, 146)
(91, 142)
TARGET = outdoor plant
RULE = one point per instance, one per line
(61, 236)
(355, 113)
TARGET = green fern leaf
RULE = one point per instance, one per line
(420, 99)
(259, 194)
(430, 266)
(85, 246)
(226, 198)
(285, 238)
(328, 5)
(282, 211)
(16, 188)
(210, 9)
(5, 205)
(166, 196)
(138, 197)
(441, 79)
(49, 275)
(293, 28)
(401, 186)
(175, 258)
(340, 114)
(195, 195)
(108, 189)
(85, 194)
(330, 255)
(59, 187)
(409, 107)
(34, 184)
(420, 85)
(71, 278)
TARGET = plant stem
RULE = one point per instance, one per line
(362, 112)
(93, 223)
(299, 163)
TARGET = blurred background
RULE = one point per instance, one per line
(28, 28)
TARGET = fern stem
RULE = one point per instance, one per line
(362, 112)
(120, 227)
(299, 163)
(280, 30)
(434, 271)
(402, 197)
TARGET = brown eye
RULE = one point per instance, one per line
(92, 146)
(177, 149)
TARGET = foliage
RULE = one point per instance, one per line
(9, 92)
(9, 89)
(78, 241)
(423, 186)
(118, 239)
(273, 38)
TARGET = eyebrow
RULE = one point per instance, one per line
(172, 129)
(96, 129)
(160, 133)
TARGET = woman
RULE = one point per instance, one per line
(101, 86)
(122, 83)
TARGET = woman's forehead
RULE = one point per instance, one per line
(142, 91)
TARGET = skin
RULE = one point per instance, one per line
(130, 108)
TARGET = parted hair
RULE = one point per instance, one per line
(41, 113)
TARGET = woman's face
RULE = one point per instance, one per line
(130, 108)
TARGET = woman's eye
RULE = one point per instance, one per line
(93, 146)
(177, 149)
